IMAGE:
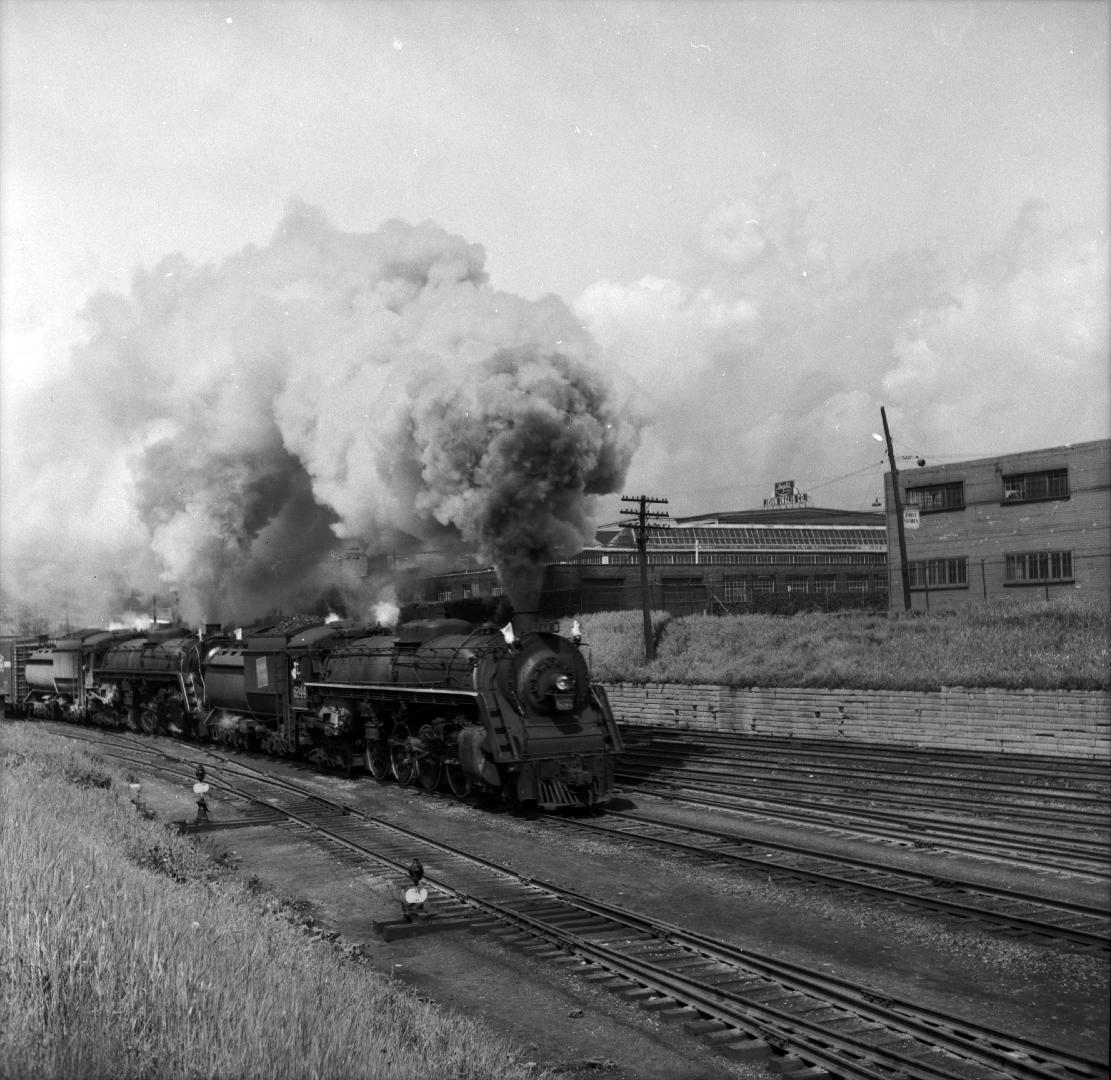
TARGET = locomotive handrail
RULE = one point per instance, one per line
(463, 644)
(397, 689)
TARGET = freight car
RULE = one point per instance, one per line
(14, 653)
(476, 709)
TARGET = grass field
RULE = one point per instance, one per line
(1061, 645)
(128, 952)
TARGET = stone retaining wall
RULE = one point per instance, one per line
(1074, 724)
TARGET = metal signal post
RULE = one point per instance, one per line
(640, 529)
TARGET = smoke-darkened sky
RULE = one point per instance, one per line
(277, 275)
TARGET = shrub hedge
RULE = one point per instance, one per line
(1059, 645)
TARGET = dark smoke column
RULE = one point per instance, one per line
(251, 416)
(513, 457)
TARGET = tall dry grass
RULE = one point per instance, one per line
(1060, 645)
(127, 952)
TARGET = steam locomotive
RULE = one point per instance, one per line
(436, 702)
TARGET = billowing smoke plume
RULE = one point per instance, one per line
(508, 457)
(226, 428)
(227, 431)
(763, 359)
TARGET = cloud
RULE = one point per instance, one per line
(763, 359)
(223, 429)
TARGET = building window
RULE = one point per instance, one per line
(932, 498)
(825, 584)
(443, 594)
(683, 590)
(857, 584)
(496, 590)
(939, 573)
(1035, 567)
(797, 584)
(763, 584)
(1035, 486)
(734, 588)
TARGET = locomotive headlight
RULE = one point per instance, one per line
(564, 684)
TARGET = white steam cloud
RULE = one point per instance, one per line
(226, 426)
(762, 359)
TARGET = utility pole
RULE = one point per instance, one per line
(641, 532)
(904, 566)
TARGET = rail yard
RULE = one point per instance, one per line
(789, 909)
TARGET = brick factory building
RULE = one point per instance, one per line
(1032, 524)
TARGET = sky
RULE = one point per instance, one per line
(281, 276)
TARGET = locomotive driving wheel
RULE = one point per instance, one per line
(376, 758)
(403, 761)
(429, 768)
(458, 782)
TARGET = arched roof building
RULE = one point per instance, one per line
(784, 555)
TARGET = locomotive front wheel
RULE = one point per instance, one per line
(148, 722)
(402, 760)
(376, 758)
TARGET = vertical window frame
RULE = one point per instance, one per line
(938, 498)
(1040, 485)
(1037, 568)
(933, 575)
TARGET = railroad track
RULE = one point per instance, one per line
(1008, 910)
(1021, 773)
(1091, 858)
(980, 796)
(1072, 839)
(1088, 812)
(747, 1005)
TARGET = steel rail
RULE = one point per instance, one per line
(901, 836)
(777, 748)
(848, 1054)
(924, 1022)
(748, 779)
(1019, 846)
(809, 1038)
(966, 908)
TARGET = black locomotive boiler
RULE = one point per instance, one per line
(435, 703)
(117, 678)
